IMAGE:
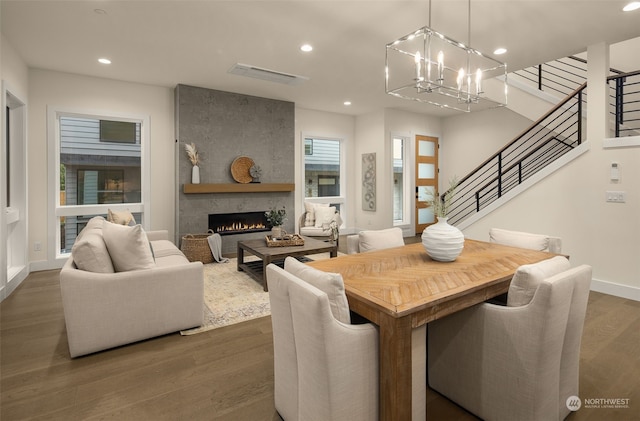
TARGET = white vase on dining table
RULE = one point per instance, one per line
(442, 241)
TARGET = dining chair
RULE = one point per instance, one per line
(285, 359)
(369, 240)
(526, 240)
(324, 367)
(515, 362)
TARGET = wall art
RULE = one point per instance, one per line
(369, 181)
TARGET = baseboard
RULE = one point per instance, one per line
(15, 280)
(40, 265)
(618, 290)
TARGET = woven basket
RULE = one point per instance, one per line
(240, 169)
(293, 240)
(196, 247)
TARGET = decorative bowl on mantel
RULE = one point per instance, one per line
(240, 169)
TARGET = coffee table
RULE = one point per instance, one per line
(257, 269)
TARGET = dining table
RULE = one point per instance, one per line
(402, 289)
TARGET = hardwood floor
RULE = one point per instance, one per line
(227, 374)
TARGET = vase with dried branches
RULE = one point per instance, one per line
(442, 241)
(194, 157)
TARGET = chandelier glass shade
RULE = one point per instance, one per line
(429, 67)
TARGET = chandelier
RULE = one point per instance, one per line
(429, 67)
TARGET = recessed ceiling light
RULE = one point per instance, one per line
(347, 103)
(104, 60)
(500, 51)
(631, 6)
(306, 48)
(100, 11)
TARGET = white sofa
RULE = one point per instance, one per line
(105, 309)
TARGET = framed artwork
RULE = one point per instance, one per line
(369, 181)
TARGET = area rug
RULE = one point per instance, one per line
(232, 297)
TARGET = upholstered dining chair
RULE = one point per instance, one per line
(285, 360)
(515, 362)
(369, 240)
(325, 368)
(540, 242)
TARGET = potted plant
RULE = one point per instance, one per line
(275, 218)
(443, 242)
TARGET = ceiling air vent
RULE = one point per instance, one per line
(266, 74)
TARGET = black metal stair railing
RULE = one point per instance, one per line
(561, 77)
(553, 135)
(625, 103)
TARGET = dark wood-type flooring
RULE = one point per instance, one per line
(227, 373)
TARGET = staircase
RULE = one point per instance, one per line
(556, 134)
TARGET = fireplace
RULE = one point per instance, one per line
(238, 223)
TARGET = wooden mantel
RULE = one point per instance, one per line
(238, 188)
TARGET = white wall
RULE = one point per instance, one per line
(14, 69)
(330, 125)
(370, 138)
(411, 124)
(362, 134)
(373, 134)
(14, 76)
(469, 139)
(570, 203)
(65, 90)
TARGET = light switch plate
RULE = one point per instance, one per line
(616, 196)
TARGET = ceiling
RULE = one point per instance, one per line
(196, 42)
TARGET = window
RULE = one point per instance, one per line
(308, 146)
(118, 131)
(100, 186)
(101, 166)
(322, 168)
(323, 172)
(401, 193)
(8, 155)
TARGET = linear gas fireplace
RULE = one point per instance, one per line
(238, 223)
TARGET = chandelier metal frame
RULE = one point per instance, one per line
(430, 67)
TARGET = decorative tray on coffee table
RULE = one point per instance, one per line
(285, 241)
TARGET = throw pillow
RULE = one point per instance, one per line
(527, 278)
(95, 222)
(380, 239)
(519, 239)
(121, 217)
(90, 253)
(329, 283)
(128, 247)
(310, 213)
(324, 216)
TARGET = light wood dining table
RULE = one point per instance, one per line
(402, 288)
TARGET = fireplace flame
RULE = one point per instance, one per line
(238, 226)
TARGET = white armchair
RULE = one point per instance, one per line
(325, 369)
(515, 363)
(320, 221)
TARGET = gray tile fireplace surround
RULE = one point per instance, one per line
(224, 126)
